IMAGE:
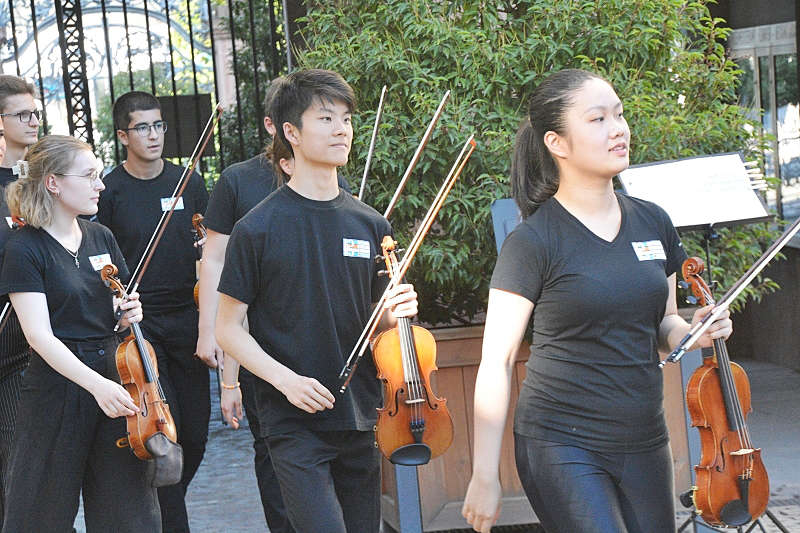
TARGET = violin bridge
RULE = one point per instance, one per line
(743, 451)
(410, 402)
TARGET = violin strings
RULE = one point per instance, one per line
(726, 374)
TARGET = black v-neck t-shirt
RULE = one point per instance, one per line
(131, 209)
(592, 377)
(79, 303)
(306, 269)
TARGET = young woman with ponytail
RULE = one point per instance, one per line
(596, 271)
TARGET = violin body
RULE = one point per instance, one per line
(402, 409)
(154, 414)
(716, 482)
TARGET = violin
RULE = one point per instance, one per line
(138, 370)
(413, 417)
(732, 487)
(199, 233)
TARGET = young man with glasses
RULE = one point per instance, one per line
(137, 194)
(20, 125)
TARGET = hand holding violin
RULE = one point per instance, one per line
(132, 308)
(402, 301)
(722, 328)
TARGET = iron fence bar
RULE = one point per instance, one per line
(287, 37)
(172, 74)
(39, 68)
(273, 42)
(14, 35)
(254, 48)
(149, 48)
(214, 68)
(127, 41)
(236, 82)
(73, 65)
(194, 76)
(110, 80)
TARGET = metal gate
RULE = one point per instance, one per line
(82, 54)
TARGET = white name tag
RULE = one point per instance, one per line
(355, 248)
(10, 222)
(166, 203)
(649, 250)
(99, 261)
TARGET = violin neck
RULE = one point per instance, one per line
(147, 364)
(408, 349)
(730, 397)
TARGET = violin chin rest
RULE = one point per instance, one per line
(735, 513)
(411, 454)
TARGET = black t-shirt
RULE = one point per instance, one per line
(239, 188)
(131, 208)
(79, 303)
(307, 272)
(592, 378)
(6, 176)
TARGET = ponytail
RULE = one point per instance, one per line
(534, 174)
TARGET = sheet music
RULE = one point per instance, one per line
(697, 191)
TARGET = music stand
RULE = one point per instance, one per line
(700, 193)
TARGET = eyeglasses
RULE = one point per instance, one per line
(143, 130)
(24, 116)
(92, 176)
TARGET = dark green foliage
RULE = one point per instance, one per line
(491, 55)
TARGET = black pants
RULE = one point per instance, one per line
(573, 489)
(65, 444)
(268, 487)
(185, 380)
(330, 480)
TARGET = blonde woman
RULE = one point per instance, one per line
(72, 406)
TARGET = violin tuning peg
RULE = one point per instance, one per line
(683, 285)
(691, 300)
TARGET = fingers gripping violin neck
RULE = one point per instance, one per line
(732, 484)
(414, 425)
(138, 371)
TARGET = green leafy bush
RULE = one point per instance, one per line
(664, 57)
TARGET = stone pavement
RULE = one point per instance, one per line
(223, 496)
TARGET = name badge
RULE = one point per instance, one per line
(99, 261)
(355, 248)
(10, 222)
(649, 250)
(166, 203)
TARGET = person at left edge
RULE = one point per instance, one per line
(72, 408)
(137, 193)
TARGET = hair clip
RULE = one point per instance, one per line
(21, 169)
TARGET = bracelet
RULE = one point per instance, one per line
(229, 387)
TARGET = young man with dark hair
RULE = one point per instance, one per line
(239, 188)
(137, 193)
(20, 129)
(300, 267)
